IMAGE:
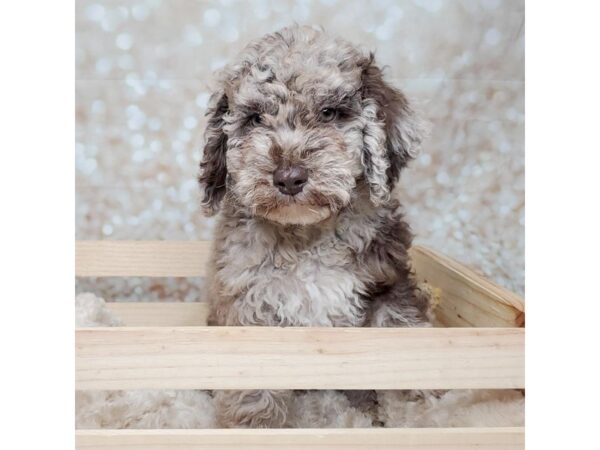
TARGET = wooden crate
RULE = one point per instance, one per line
(167, 346)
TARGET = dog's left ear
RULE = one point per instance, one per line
(213, 167)
(392, 132)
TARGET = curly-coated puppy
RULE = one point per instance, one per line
(304, 144)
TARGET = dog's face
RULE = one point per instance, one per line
(294, 142)
(299, 124)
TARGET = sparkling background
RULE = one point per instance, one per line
(142, 71)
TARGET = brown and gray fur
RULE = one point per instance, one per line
(335, 254)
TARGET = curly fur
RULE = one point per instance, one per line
(336, 254)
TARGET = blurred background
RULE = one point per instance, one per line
(142, 74)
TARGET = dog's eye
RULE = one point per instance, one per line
(327, 114)
(255, 119)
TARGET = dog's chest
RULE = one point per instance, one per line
(274, 283)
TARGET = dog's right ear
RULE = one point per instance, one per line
(213, 167)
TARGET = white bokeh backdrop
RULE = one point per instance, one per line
(142, 74)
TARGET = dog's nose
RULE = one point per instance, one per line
(290, 180)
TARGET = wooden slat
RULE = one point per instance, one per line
(302, 439)
(155, 314)
(141, 258)
(467, 298)
(299, 358)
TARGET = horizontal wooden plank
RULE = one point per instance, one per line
(141, 258)
(299, 358)
(301, 439)
(467, 299)
(160, 314)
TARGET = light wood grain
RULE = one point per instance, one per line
(299, 358)
(160, 314)
(302, 439)
(467, 298)
(141, 258)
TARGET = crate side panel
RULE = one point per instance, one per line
(299, 358)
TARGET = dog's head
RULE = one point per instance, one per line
(299, 124)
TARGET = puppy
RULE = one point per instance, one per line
(304, 145)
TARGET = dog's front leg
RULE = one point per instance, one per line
(248, 408)
(405, 304)
(252, 408)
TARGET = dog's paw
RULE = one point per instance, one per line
(390, 316)
(252, 409)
